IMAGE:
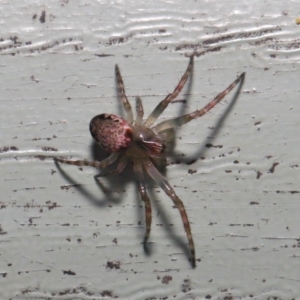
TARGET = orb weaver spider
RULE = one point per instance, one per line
(139, 141)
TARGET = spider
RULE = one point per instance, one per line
(143, 143)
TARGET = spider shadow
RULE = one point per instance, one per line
(127, 176)
(121, 180)
(112, 181)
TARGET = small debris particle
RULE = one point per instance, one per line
(33, 79)
(42, 157)
(6, 149)
(43, 17)
(190, 171)
(68, 186)
(49, 149)
(254, 203)
(236, 162)
(52, 205)
(113, 265)
(2, 231)
(106, 293)
(186, 286)
(103, 55)
(69, 272)
(166, 279)
(116, 40)
(272, 170)
(258, 174)
(212, 146)
(190, 162)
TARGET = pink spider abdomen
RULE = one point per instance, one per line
(112, 132)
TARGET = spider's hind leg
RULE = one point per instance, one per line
(167, 188)
(137, 166)
(95, 164)
(120, 168)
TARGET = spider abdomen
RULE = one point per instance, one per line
(112, 132)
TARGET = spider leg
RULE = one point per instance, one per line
(122, 95)
(168, 189)
(120, 168)
(164, 103)
(144, 196)
(96, 164)
(198, 113)
(139, 111)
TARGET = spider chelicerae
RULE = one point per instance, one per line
(143, 143)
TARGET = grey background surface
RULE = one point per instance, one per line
(61, 237)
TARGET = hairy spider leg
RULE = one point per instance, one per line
(171, 123)
(139, 111)
(168, 189)
(158, 110)
(96, 164)
(138, 169)
(123, 97)
(120, 167)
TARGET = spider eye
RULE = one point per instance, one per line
(112, 132)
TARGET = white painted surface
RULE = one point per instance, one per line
(55, 76)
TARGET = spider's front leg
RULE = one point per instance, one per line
(171, 123)
(122, 95)
(96, 164)
(139, 111)
(164, 103)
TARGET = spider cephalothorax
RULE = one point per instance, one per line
(141, 142)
